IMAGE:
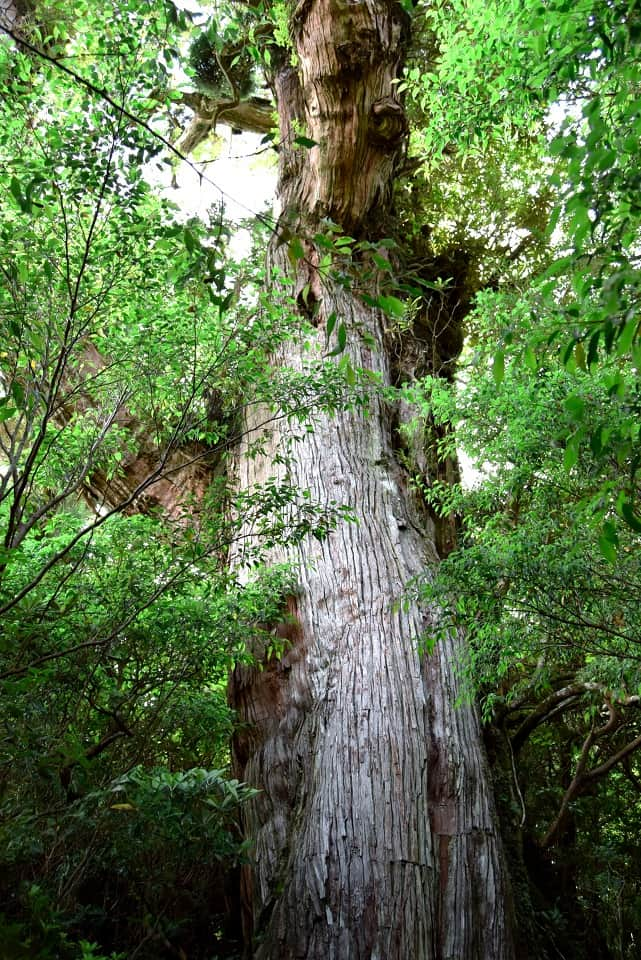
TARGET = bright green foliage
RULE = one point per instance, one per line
(129, 348)
(532, 585)
(565, 77)
(552, 617)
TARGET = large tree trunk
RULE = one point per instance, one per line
(374, 834)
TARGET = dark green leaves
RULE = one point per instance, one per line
(392, 306)
(25, 195)
(306, 142)
(341, 335)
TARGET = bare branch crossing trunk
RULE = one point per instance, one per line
(375, 835)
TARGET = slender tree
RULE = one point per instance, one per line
(374, 831)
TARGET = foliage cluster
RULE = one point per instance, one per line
(552, 616)
(564, 77)
(130, 350)
(545, 578)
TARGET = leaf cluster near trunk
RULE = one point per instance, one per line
(221, 72)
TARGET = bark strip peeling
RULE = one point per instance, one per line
(374, 832)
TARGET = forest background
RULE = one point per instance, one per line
(132, 346)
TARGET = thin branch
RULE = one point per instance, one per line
(582, 777)
(612, 761)
(106, 96)
(564, 698)
(570, 793)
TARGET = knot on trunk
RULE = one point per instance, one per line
(387, 123)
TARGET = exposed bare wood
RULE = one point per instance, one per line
(255, 115)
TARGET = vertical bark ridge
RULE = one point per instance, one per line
(360, 858)
(474, 895)
(375, 836)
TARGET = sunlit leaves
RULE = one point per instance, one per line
(575, 71)
(549, 548)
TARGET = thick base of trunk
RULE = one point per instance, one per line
(374, 832)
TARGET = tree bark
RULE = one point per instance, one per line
(374, 833)
(255, 115)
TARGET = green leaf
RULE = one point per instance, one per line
(632, 519)
(498, 366)
(571, 454)
(557, 146)
(350, 373)
(610, 531)
(560, 266)
(381, 262)
(392, 306)
(575, 406)
(16, 190)
(305, 142)
(17, 392)
(593, 349)
(341, 336)
(296, 250)
(530, 359)
(627, 336)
